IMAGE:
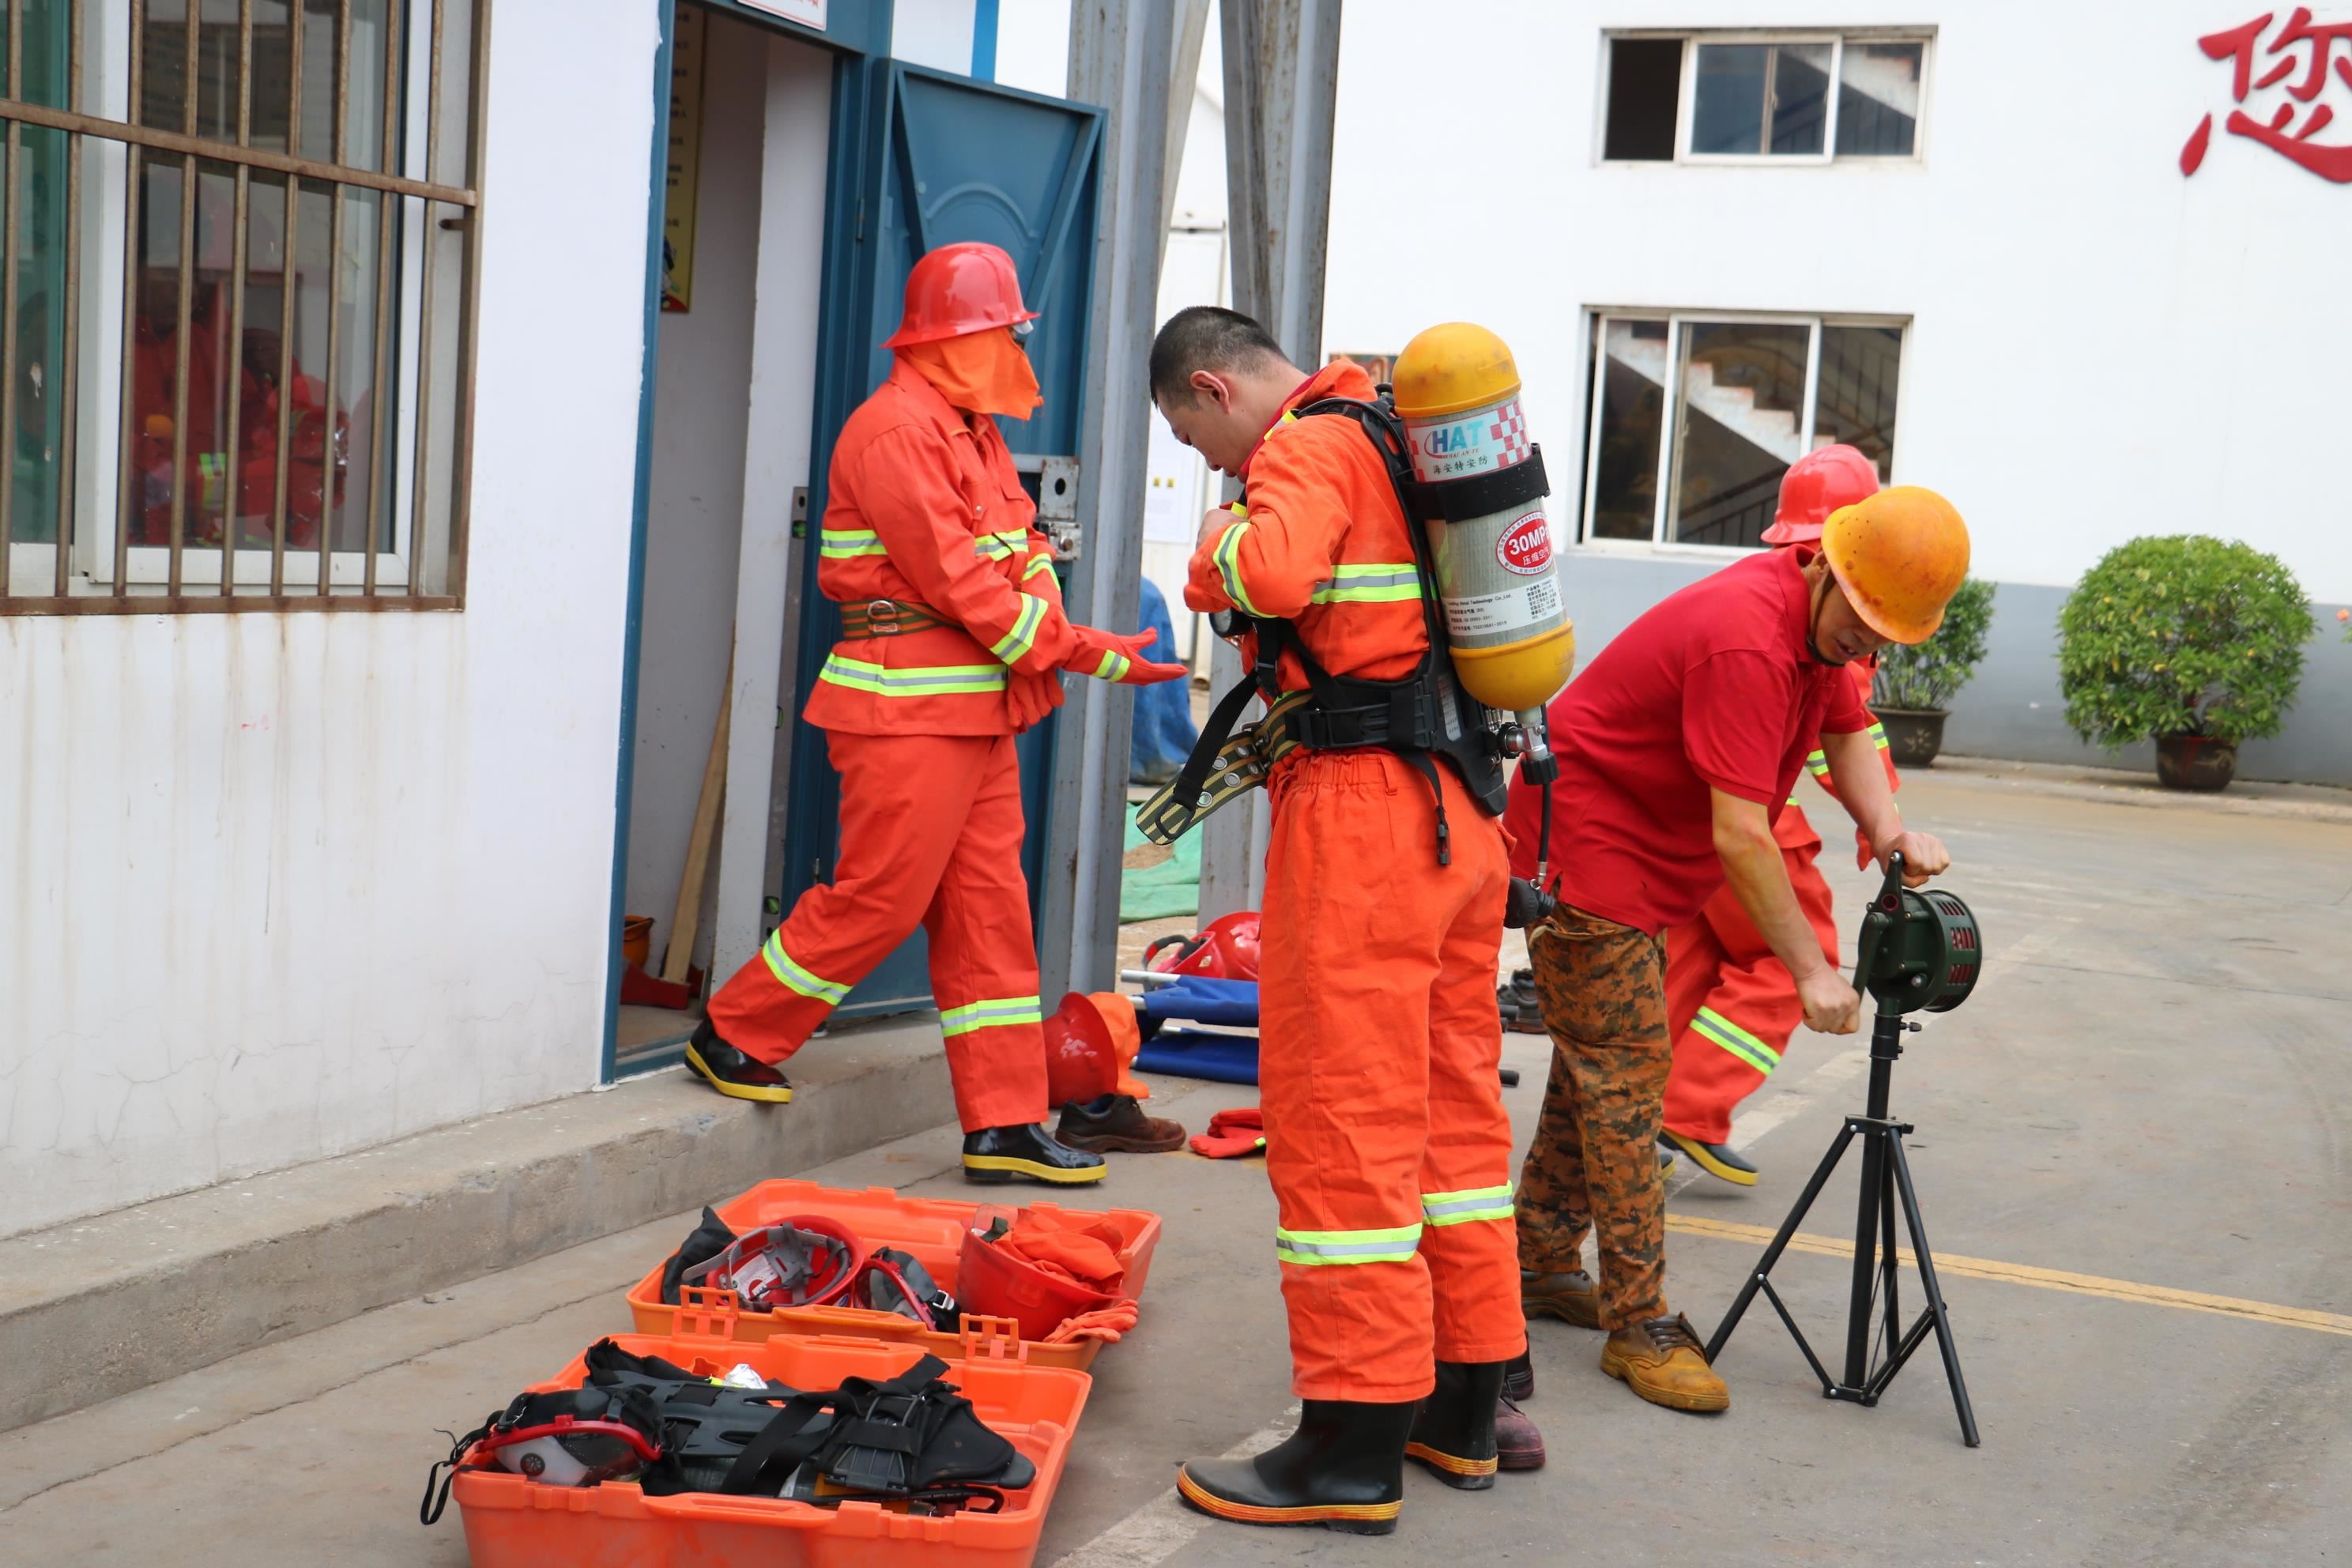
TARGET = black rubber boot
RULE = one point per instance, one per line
(996, 1154)
(732, 1073)
(1343, 1469)
(1453, 1435)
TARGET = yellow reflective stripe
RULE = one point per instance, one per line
(840, 543)
(1460, 1208)
(1227, 556)
(997, 1013)
(1878, 735)
(1714, 1026)
(999, 546)
(935, 680)
(1819, 762)
(794, 976)
(1114, 667)
(1376, 583)
(1396, 1244)
(1036, 563)
(1014, 644)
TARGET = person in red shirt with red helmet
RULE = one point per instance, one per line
(1678, 748)
(1730, 1002)
(953, 642)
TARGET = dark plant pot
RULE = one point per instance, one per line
(2195, 762)
(1915, 736)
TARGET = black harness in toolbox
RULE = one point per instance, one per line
(1423, 717)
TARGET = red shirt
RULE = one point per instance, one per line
(1714, 686)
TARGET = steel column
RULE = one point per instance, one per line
(1119, 58)
(1282, 77)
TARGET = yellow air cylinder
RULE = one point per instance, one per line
(1457, 391)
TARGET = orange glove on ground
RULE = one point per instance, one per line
(1106, 656)
(1232, 1134)
(1108, 1324)
(1029, 698)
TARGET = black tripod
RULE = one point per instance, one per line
(1885, 1174)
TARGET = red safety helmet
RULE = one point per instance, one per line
(959, 288)
(1816, 485)
(1227, 949)
(1090, 1042)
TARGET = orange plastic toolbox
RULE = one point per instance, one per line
(931, 1228)
(511, 1522)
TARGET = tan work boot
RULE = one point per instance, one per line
(1570, 1297)
(1663, 1360)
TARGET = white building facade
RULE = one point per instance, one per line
(1967, 237)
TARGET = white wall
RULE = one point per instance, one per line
(935, 33)
(1032, 46)
(778, 430)
(695, 515)
(2100, 348)
(276, 887)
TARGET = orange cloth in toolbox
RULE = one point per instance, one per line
(930, 833)
(924, 505)
(1319, 499)
(1084, 1251)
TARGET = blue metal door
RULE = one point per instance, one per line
(921, 160)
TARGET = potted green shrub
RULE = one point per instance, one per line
(1913, 684)
(2192, 642)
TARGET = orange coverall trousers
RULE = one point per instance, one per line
(930, 835)
(1731, 1004)
(1386, 1142)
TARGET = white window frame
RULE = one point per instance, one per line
(1670, 429)
(1686, 96)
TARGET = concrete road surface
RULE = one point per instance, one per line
(2134, 1149)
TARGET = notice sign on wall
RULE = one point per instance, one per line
(685, 159)
(807, 13)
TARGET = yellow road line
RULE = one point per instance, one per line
(2046, 1278)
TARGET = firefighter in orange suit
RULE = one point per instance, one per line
(1387, 1144)
(1733, 1005)
(953, 642)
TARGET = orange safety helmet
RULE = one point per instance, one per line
(1900, 555)
(1090, 1042)
(957, 289)
(1816, 485)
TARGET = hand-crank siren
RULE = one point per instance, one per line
(1919, 951)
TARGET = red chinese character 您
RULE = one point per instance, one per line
(2238, 45)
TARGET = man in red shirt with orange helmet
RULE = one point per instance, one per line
(1678, 748)
(1730, 1001)
(953, 641)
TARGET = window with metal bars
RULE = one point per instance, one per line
(239, 256)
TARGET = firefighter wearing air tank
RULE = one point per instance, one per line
(1731, 1004)
(1387, 1144)
(953, 641)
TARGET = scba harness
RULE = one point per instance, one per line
(1424, 717)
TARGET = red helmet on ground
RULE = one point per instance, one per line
(1089, 1041)
(1227, 949)
(957, 289)
(1816, 485)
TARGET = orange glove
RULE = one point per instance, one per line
(1108, 1324)
(1029, 698)
(1106, 656)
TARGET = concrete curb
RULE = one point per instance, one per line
(105, 1305)
(2117, 786)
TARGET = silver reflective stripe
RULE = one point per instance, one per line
(1394, 1245)
(1472, 1204)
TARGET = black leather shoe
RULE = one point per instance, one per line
(995, 1154)
(1715, 1159)
(1519, 1377)
(1453, 1435)
(732, 1073)
(1343, 1469)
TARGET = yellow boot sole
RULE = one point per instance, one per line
(1005, 1167)
(1709, 1162)
(737, 1091)
(1368, 1518)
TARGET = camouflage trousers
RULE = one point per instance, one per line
(1593, 1165)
